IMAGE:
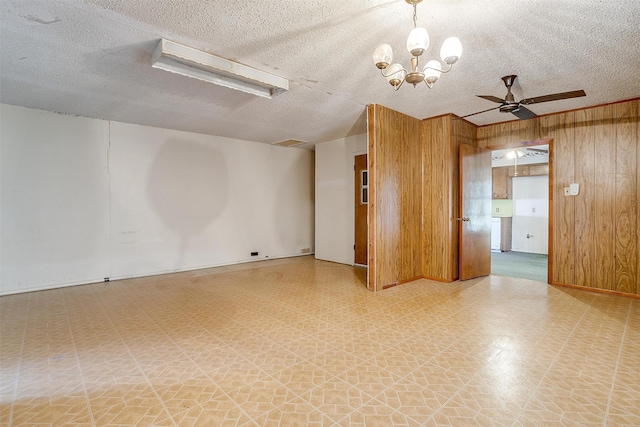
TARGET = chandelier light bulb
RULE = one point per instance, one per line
(432, 71)
(395, 74)
(382, 56)
(418, 41)
(451, 50)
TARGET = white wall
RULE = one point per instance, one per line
(54, 194)
(531, 214)
(335, 197)
(84, 199)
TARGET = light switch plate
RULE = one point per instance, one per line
(574, 189)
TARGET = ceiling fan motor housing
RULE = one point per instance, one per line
(509, 107)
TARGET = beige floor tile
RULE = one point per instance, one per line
(298, 341)
(336, 398)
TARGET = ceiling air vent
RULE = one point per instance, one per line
(296, 143)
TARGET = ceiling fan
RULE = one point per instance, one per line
(509, 104)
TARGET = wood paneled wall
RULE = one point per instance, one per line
(413, 196)
(411, 200)
(440, 161)
(413, 172)
(437, 199)
(395, 188)
(595, 235)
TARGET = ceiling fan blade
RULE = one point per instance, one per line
(524, 113)
(483, 111)
(553, 97)
(491, 98)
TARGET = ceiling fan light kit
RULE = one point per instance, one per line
(510, 105)
(417, 44)
(514, 154)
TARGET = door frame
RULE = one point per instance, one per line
(533, 143)
(355, 204)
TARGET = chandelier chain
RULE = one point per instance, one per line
(415, 14)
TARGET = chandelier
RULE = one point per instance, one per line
(417, 43)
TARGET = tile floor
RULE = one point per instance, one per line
(301, 342)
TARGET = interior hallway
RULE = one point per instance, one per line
(302, 342)
(520, 264)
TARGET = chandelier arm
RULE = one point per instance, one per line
(442, 71)
(391, 74)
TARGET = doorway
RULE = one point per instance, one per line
(361, 200)
(520, 212)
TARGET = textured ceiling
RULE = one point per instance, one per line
(92, 58)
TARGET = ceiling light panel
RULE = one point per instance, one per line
(187, 61)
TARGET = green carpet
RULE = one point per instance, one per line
(520, 264)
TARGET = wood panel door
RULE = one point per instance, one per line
(475, 212)
(361, 181)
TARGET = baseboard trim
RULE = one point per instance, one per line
(596, 290)
(149, 274)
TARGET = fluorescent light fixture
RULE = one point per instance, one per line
(187, 61)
